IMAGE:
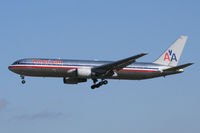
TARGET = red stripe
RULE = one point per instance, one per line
(43, 67)
(138, 70)
(76, 68)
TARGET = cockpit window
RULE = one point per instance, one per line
(15, 63)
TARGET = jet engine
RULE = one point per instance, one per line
(73, 80)
(84, 72)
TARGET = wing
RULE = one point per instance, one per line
(107, 69)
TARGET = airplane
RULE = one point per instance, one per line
(78, 71)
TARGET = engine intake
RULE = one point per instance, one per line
(84, 72)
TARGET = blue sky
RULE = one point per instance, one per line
(104, 30)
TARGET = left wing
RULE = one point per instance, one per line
(107, 69)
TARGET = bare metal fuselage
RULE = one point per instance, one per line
(68, 68)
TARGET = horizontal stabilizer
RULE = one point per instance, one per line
(178, 67)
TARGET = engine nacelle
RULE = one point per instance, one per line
(84, 72)
(70, 80)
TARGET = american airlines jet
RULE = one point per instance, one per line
(77, 71)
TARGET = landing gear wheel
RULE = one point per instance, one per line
(23, 81)
(98, 85)
(105, 82)
(93, 86)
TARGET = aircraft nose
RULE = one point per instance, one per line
(10, 68)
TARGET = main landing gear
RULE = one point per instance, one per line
(103, 82)
(22, 77)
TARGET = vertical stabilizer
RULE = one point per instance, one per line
(172, 55)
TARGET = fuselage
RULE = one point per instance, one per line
(67, 68)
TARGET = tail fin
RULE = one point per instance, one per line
(172, 55)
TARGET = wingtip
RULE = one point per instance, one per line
(191, 63)
(144, 53)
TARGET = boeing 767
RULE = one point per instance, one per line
(77, 71)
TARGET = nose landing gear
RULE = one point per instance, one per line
(22, 77)
(103, 82)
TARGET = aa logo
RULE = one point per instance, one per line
(170, 56)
